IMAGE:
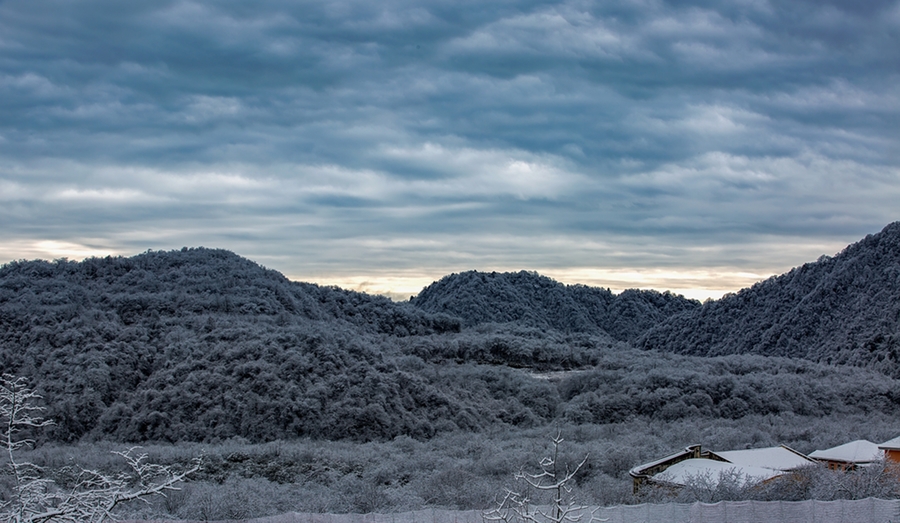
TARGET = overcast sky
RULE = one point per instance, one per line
(379, 145)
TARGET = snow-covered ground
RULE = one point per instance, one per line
(869, 510)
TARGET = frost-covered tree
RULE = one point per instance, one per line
(90, 495)
(553, 479)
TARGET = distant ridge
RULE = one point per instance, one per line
(841, 309)
(197, 281)
(531, 300)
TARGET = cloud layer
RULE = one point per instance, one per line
(697, 146)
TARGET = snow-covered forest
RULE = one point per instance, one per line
(312, 398)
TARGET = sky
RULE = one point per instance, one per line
(693, 146)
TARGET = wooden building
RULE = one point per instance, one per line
(644, 473)
(753, 464)
(849, 456)
(891, 449)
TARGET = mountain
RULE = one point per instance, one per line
(531, 300)
(201, 344)
(841, 309)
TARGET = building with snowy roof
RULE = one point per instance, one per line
(782, 458)
(848, 456)
(644, 473)
(891, 449)
(753, 465)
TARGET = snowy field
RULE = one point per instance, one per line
(869, 510)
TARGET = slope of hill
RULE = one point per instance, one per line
(841, 309)
(531, 300)
(202, 343)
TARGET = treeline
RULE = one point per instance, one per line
(528, 299)
(843, 309)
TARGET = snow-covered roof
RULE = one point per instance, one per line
(707, 469)
(892, 444)
(637, 470)
(774, 458)
(859, 451)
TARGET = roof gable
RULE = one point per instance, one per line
(859, 451)
(891, 444)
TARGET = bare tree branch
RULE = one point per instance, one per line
(92, 495)
(518, 508)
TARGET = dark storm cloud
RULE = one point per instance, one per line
(359, 137)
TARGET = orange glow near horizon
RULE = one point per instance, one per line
(697, 284)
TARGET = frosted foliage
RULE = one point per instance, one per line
(841, 309)
(552, 482)
(89, 495)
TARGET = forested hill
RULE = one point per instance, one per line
(191, 282)
(201, 343)
(529, 299)
(841, 309)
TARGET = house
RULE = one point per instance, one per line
(849, 456)
(752, 464)
(644, 473)
(891, 449)
(781, 458)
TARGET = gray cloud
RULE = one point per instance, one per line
(362, 141)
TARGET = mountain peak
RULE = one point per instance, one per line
(840, 309)
(532, 300)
